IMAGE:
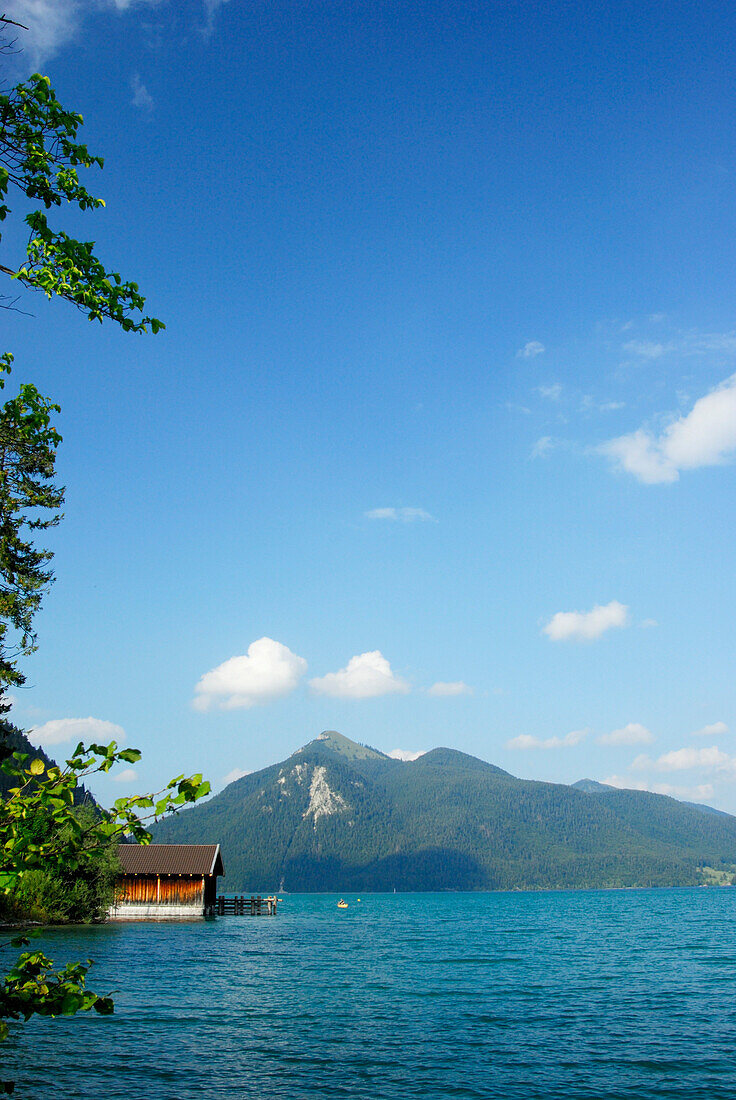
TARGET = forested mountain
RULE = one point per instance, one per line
(340, 816)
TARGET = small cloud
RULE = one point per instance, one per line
(405, 754)
(705, 343)
(647, 349)
(705, 437)
(586, 625)
(530, 350)
(648, 624)
(716, 729)
(365, 676)
(8, 700)
(59, 730)
(684, 759)
(588, 404)
(632, 734)
(449, 687)
(542, 447)
(512, 407)
(550, 393)
(211, 7)
(141, 96)
(128, 775)
(268, 671)
(53, 24)
(236, 773)
(401, 515)
(526, 741)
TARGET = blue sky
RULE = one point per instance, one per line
(437, 447)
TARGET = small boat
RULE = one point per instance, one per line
(342, 904)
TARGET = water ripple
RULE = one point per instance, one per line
(581, 995)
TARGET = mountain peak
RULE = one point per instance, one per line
(338, 743)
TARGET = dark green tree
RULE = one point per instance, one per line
(29, 502)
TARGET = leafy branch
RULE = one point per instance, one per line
(44, 796)
(40, 156)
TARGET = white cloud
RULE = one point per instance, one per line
(59, 730)
(141, 96)
(128, 775)
(211, 7)
(586, 625)
(648, 624)
(450, 687)
(236, 773)
(647, 349)
(691, 794)
(705, 437)
(268, 671)
(550, 393)
(405, 754)
(401, 515)
(713, 764)
(588, 403)
(715, 729)
(530, 350)
(526, 741)
(707, 343)
(53, 24)
(123, 5)
(542, 447)
(632, 734)
(680, 760)
(364, 677)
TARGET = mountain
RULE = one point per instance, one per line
(591, 786)
(341, 816)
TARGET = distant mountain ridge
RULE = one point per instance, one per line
(341, 816)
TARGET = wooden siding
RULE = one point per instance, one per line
(155, 890)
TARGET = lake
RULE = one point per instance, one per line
(580, 994)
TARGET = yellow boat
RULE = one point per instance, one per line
(342, 904)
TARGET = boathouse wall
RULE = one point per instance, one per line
(166, 881)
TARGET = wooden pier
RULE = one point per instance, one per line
(245, 907)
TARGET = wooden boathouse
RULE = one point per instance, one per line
(168, 881)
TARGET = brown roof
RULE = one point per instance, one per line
(171, 859)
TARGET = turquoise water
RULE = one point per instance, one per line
(580, 994)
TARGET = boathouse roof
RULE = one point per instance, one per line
(171, 859)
